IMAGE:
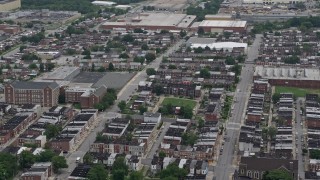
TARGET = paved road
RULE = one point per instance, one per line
(299, 135)
(225, 166)
(104, 117)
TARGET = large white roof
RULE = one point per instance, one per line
(221, 45)
(103, 3)
(287, 73)
(221, 24)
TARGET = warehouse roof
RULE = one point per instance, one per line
(287, 73)
(213, 23)
(157, 19)
(221, 45)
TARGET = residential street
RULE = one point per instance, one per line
(111, 113)
(299, 135)
(225, 164)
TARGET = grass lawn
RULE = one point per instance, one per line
(179, 102)
(298, 92)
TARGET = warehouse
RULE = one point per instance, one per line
(220, 26)
(152, 21)
(289, 76)
(104, 3)
(225, 46)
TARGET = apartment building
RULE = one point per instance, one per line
(20, 92)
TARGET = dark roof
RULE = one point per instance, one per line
(266, 164)
(33, 85)
(81, 171)
(100, 91)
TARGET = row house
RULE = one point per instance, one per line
(38, 171)
(146, 133)
(121, 146)
(73, 132)
(116, 128)
(15, 126)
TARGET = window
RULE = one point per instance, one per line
(256, 175)
(242, 171)
(249, 174)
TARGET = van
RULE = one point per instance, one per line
(78, 159)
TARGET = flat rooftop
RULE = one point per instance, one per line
(295, 73)
(215, 23)
(157, 20)
(168, 4)
(61, 73)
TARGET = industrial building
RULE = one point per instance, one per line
(152, 21)
(223, 25)
(8, 5)
(104, 3)
(168, 5)
(225, 46)
(272, 1)
(220, 17)
(289, 76)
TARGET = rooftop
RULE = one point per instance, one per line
(214, 23)
(270, 72)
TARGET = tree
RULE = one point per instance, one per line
(88, 158)
(45, 156)
(136, 175)
(182, 33)
(62, 99)
(158, 89)
(8, 165)
(162, 154)
(122, 105)
(144, 47)
(41, 67)
(52, 131)
(276, 97)
(118, 174)
(189, 138)
(22, 47)
(120, 164)
(97, 172)
(277, 174)
(200, 31)
(143, 109)
(124, 56)
(186, 112)
(26, 159)
(93, 67)
(101, 69)
(174, 171)
(314, 153)
(200, 123)
(150, 57)
(292, 60)
(59, 162)
(33, 66)
(230, 60)
(172, 66)
(50, 66)
(138, 30)
(151, 71)
(198, 50)
(205, 73)
(128, 38)
(139, 59)
(272, 131)
(111, 67)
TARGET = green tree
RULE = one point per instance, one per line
(172, 66)
(230, 61)
(292, 60)
(62, 99)
(26, 159)
(50, 66)
(314, 153)
(8, 165)
(144, 47)
(97, 172)
(151, 71)
(52, 130)
(150, 57)
(59, 162)
(111, 67)
(93, 67)
(118, 174)
(101, 69)
(200, 123)
(22, 47)
(88, 158)
(277, 174)
(122, 105)
(205, 73)
(200, 31)
(120, 165)
(162, 154)
(174, 171)
(276, 97)
(128, 38)
(124, 56)
(189, 138)
(158, 89)
(136, 175)
(41, 67)
(183, 33)
(45, 156)
(139, 59)
(143, 109)
(186, 112)
(272, 132)
(198, 50)
(33, 66)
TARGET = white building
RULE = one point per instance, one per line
(152, 117)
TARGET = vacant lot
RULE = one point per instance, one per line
(179, 102)
(298, 92)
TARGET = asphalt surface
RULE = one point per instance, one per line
(225, 165)
(124, 94)
(299, 139)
